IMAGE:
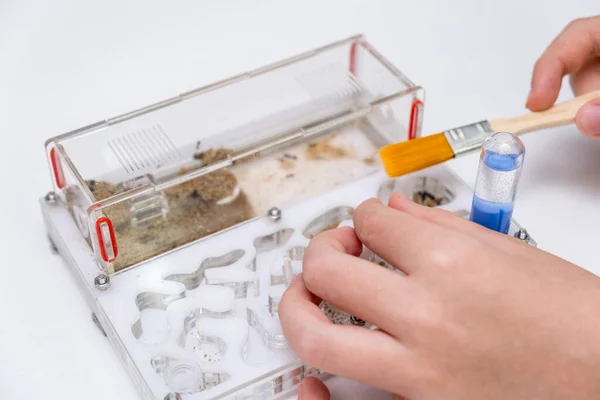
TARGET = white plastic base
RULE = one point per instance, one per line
(200, 322)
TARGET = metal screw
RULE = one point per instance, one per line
(274, 213)
(102, 282)
(522, 234)
(356, 321)
(50, 198)
(173, 396)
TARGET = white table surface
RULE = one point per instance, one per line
(67, 63)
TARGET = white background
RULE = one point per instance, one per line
(68, 63)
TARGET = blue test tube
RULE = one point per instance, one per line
(500, 165)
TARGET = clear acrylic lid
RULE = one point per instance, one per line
(144, 183)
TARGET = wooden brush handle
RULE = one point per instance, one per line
(558, 115)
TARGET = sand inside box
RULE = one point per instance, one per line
(226, 197)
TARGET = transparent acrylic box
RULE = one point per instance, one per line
(185, 220)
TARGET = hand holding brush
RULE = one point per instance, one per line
(574, 52)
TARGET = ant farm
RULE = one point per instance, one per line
(184, 221)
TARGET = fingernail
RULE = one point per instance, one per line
(296, 278)
(588, 118)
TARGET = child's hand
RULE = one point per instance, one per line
(478, 315)
(575, 52)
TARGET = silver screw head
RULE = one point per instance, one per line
(102, 282)
(274, 213)
(522, 234)
(173, 396)
(50, 198)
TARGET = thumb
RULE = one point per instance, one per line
(312, 388)
(588, 119)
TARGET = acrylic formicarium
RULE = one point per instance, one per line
(197, 318)
(142, 184)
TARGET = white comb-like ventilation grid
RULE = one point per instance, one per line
(331, 83)
(144, 148)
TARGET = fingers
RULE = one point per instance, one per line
(357, 286)
(449, 220)
(338, 349)
(312, 388)
(588, 119)
(586, 79)
(402, 239)
(578, 43)
(343, 240)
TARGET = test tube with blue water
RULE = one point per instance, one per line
(500, 166)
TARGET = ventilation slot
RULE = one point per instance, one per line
(142, 149)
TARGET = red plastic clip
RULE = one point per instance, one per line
(414, 118)
(113, 239)
(353, 58)
(59, 176)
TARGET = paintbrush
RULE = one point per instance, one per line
(413, 155)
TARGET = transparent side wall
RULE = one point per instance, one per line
(222, 155)
(237, 113)
(157, 221)
(69, 191)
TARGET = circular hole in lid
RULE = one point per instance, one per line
(183, 376)
(424, 190)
